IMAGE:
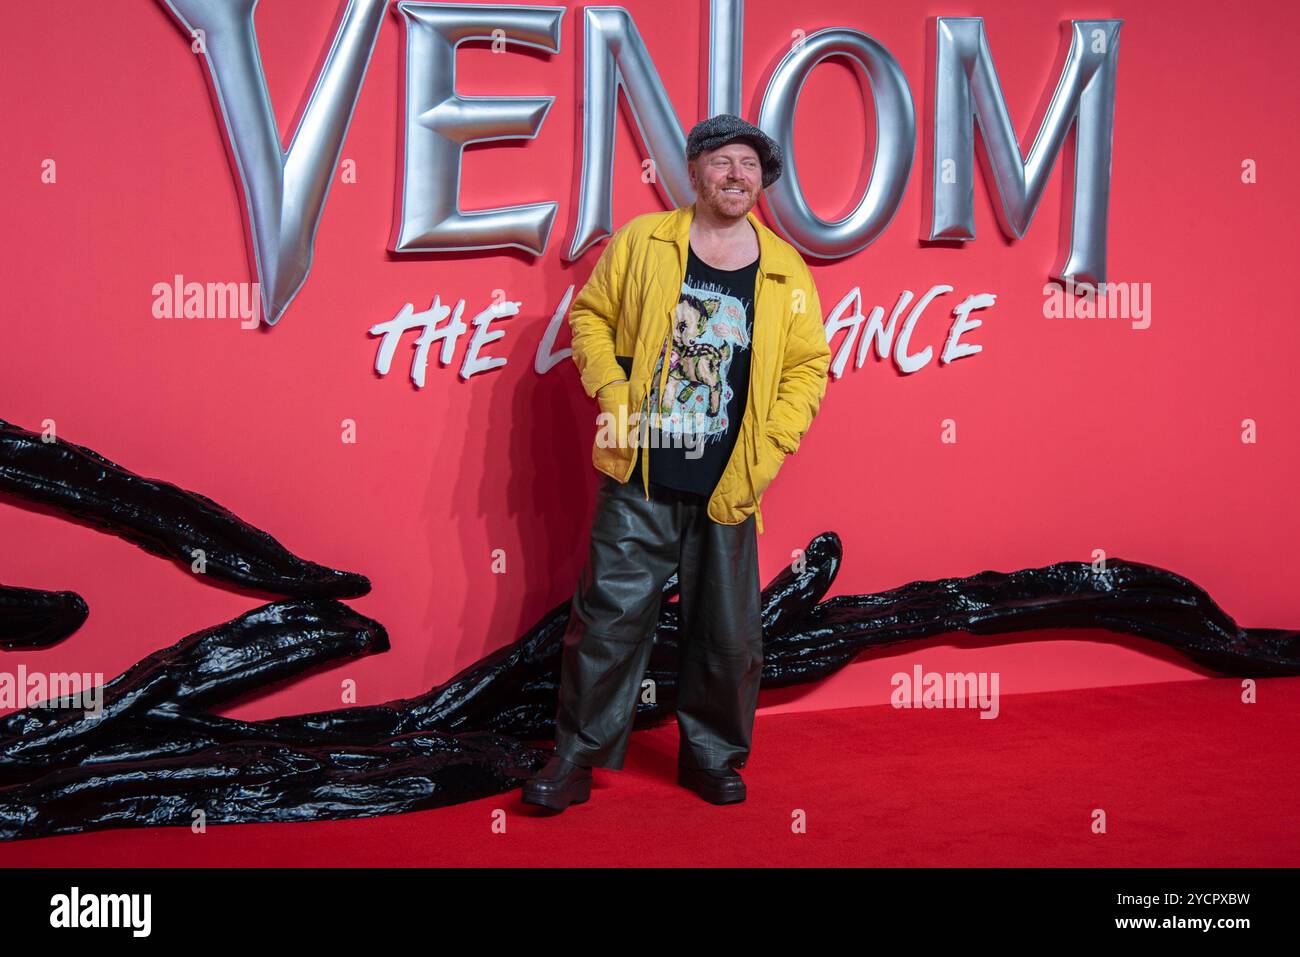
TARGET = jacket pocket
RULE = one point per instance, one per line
(613, 425)
(763, 471)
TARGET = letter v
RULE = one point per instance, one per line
(284, 191)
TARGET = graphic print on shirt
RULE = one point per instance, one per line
(709, 327)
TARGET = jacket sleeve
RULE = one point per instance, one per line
(593, 317)
(803, 372)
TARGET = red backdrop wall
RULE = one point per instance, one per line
(1072, 435)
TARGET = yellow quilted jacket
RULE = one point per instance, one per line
(625, 312)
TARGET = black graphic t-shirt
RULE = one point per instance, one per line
(692, 427)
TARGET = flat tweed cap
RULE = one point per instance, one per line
(725, 128)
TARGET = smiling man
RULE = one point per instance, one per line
(700, 335)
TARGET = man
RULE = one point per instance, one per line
(702, 328)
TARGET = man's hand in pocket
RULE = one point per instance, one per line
(613, 400)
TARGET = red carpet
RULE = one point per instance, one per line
(1186, 774)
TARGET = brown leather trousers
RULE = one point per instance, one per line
(636, 545)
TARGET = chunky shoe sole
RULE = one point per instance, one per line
(576, 793)
(712, 795)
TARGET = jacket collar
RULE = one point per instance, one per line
(773, 259)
